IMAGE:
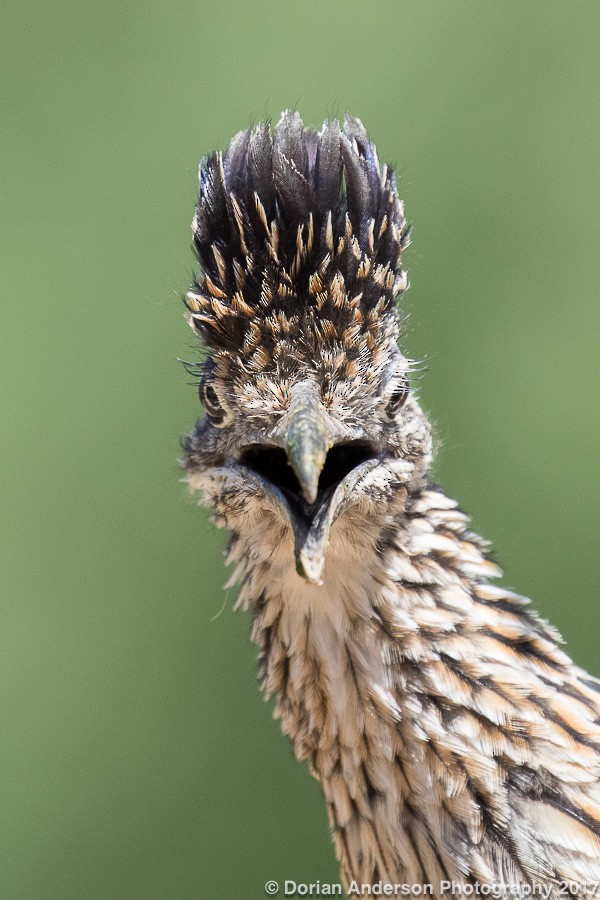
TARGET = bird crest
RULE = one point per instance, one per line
(299, 235)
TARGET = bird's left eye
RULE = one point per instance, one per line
(211, 403)
(398, 398)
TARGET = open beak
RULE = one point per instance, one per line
(309, 469)
(308, 441)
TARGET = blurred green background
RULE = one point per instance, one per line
(137, 757)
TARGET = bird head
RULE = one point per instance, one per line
(310, 416)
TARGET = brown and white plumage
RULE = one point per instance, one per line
(453, 738)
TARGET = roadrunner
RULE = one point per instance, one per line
(453, 738)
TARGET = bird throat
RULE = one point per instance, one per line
(326, 658)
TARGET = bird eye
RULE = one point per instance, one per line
(211, 403)
(398, 398)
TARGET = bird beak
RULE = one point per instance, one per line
(307, 433)
(311, 537)
(307, 439)
(311, 545)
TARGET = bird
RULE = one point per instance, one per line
(454, 739)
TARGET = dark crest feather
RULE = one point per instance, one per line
(260, 166)
(328, 166)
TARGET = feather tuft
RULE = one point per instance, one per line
(296, 209)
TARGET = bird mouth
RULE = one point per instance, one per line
(311, 522)
(272, 464)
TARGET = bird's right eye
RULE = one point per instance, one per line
(211, 403)
(398, 398)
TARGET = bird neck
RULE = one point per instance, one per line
(367, 667)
